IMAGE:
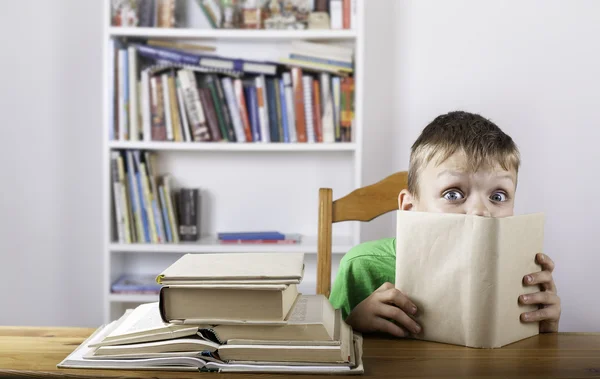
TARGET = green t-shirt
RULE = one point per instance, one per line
(362, 270)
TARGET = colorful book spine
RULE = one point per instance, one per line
(234, 111)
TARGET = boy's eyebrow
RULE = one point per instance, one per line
(450, 172)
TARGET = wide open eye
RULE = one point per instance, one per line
(453, 195)
(499, 197)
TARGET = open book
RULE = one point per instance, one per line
(465, 274)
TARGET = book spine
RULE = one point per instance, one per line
(135, 197)
(211, 115)
(145, 106)
(158, 130)
(272, 109)
(262, 109)
(328, 119)
(346, 11)
(141, 195)
(308, 108)
(240, 135)
(200, 131)
(124, 196)
(119, 214)
(169, 55)
(336, 14)
(321, 60)
(171, 208)
(123, 95)
(238, 87)
(148, 203)
(183, 115)
(167, 106)
(188, 213)
(222, 103)
(133, 98)
(335, 89)
(253, 113)
(284, 112)
(299, 104)
(290, 104)
(174, 106)
(165, 215)
(317, 111)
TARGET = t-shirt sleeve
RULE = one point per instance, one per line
(362, 270)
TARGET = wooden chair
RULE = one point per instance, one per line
(362, 204)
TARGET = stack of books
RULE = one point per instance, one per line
(258, 237)
(237, 312)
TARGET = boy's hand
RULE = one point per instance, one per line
(386, 303)
(549, 313)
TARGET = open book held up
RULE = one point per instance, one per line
(464, 273)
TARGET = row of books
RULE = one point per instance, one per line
(238, 14)
(234, 312)
(147, 209)
(184, 97)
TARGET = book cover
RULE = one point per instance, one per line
(465, 274)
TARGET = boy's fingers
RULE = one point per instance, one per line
(538, 278)
(394, 313)
(545, 261)
(388, 327)
(394, 296)
(544, 297)
(548, 313)
(385, 286)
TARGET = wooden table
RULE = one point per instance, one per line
(34, 352)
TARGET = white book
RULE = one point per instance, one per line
(263, 111)
(133, 94)
(184, 118)
(290, 106)
(167, 106)
(234, 110)
(336, 14)
(307, 83)
(145, 105)
(123, 95)
(327, 120)
(335, 90)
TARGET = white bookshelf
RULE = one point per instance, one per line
(243, 186)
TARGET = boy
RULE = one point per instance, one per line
(461, 163)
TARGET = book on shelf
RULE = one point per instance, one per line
(305, 335)
(146, 207)
(249, 14)
(135, 284)
(258, 237)
(172, 94)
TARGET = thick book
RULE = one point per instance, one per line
(227, 303)
(465, 275)
(311, 319)
(235, 268)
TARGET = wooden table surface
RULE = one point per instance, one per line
(33, 352)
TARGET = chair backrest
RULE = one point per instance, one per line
(362, 204)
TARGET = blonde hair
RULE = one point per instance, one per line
(482, 141)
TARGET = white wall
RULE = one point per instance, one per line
(533, 67)
(50, 236)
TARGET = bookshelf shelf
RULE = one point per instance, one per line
(233, 34)
(308, 245)
(218, 146)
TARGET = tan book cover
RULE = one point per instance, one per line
(248, 267)
(465, 274)
(222, 304)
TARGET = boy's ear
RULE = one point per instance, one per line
(405, 201)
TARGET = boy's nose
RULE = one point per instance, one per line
(479, 208)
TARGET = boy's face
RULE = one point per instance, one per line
(451, 188)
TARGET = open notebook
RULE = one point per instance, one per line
(465, 274)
